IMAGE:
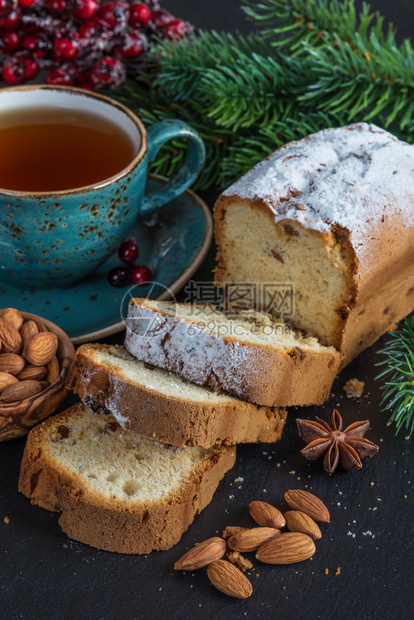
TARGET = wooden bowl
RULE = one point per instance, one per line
(16, 419)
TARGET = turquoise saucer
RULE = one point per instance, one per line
(173, 243)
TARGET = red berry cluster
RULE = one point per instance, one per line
(87, 43)
(137, 274)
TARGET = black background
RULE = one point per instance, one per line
(45, 575)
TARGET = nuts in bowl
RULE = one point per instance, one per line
(35, 356)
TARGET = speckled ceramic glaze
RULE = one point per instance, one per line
(53, 239)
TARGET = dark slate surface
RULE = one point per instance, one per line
(46, 576)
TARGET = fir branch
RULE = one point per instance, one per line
(398, 389)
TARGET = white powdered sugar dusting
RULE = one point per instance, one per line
(350, 176)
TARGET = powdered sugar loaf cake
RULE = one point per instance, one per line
(332, 214)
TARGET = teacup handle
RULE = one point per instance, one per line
(158, 135)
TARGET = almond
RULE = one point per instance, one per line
(40, 348)
(202, 554)
(12, 316)
(286, 549)
(308, 503)
(266, 515)
(53, 370)
(41, 327)
(10, 338)
(229, 579)
(11, 363)
(29, 329)
(20, 391)
(6, 379)
(298, 521)
(31, 372)
(250, 540)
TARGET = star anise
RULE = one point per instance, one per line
(346, 447)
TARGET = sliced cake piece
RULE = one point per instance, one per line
(117, 490)
(251, 355)
(164, 406)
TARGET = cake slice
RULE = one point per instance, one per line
(117, 490)
(250, 354)
(164, 406)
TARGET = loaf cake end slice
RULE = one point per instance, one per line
(115, 489)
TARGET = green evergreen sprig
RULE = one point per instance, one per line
(398, 372)
(312, 64)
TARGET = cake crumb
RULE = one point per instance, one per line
(326, 571)
(243, 563)
(354, 388)
(231, 530)
(338, 571)
(6, 520)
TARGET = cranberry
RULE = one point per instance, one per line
(26, 3)
(133, 44)
(141, 274)
(56, 6)
(114, 14)
(107, 72)
(176, 29)
(19, 68)
(94, 35)
(129, 251)
(67, 45)
(6, 6)
(118, 276)
(139, 15)
(85, 9)
(161, 18)
(9, 42)
(11, 21)
(60, 77)
(38, 44)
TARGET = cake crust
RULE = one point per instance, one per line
(170, 419)
(114, 525)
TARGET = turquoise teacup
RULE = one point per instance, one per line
(54, 238)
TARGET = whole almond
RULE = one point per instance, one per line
(41, 327)
(53, 370)
(6, 379)
(10, 338)
(250, 540)
(12, 316)
(21, 390)
(229, 579)
(202, 554)
(298, 521)
(32, 372)
(40, 348)
(11, 363)
(29, 329)
(267, 515)
(286, 549)
(308, 503)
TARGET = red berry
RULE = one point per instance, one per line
(176, 29)
(139, 15)
(56, 6)
(161, 18)
(60, 77)
(6, 6)
(94, 35)
(11, 21)
(19, 68)
(9, 42)
(118, 276)
(67, 45)
(107, 72)
(26, 3)
(85, 9)
(114, 14)
(129, 251)
(37, 44)
(133, 44)
(141, 274)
